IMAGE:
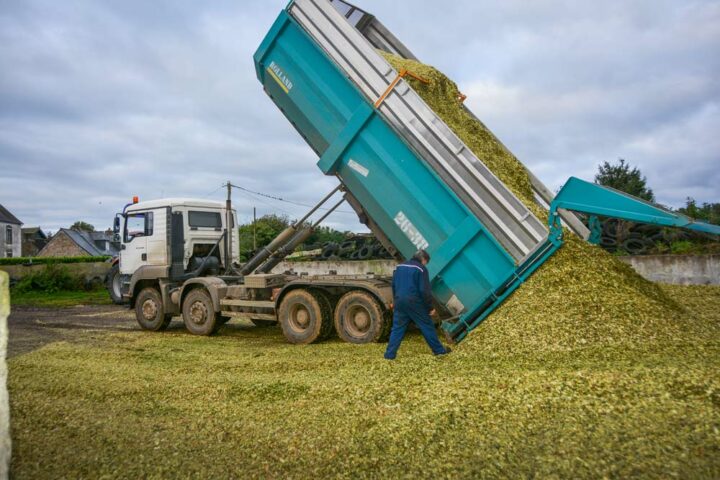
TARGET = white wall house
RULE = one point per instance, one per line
(10, 234)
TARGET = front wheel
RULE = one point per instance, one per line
(199, 313)
(150, 311)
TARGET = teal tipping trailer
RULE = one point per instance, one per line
(412, 181)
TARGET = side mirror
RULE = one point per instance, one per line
(116, 225)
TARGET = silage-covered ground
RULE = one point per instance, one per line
(245, 404)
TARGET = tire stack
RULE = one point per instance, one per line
(353, 248)
(639, 239)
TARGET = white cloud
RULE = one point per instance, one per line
(100, 101)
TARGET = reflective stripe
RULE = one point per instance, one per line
(411, 266)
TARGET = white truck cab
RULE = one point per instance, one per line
(146, 232)
(176, 234)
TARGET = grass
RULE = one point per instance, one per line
(60, 299)
(245, 404)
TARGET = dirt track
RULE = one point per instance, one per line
(32, 327)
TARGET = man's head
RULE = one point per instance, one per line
(422, 256)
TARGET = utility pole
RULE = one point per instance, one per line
(254, 230)
(228, 229)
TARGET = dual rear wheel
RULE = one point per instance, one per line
(307, 316)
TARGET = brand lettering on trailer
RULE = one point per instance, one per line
(279, 76)
(412, 233)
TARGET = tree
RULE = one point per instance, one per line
(708, 212)
(81, 226)
(621, 176)
(266, 229)
(269, 226)
(326, 234)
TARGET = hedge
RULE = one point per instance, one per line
(50, 260)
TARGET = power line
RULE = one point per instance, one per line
(279, 199)
(214, 191)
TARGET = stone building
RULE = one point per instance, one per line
(33, 240)
(10, 236)
(75, 243)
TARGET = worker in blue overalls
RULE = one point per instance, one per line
(412, 302)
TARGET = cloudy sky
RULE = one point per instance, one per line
(103, 100)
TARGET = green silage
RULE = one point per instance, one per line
(582, 295)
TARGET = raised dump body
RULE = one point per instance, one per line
(411, 179)
(417, 184)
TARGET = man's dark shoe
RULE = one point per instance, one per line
(447, 350)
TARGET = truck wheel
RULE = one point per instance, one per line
(359, 318)
(303, 315)
(113, 285)
(199, 313)
(324, 299)
(150, 312)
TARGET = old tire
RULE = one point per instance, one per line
(150, 311)
(304, 317)
(199, 313)
(359, 318)
(114, 285)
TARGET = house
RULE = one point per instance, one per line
(10, 236)
(33, 240)
(78, 243)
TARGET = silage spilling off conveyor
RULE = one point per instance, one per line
(580, 296)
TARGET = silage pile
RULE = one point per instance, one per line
(582, 296)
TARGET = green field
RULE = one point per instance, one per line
(60, 299)
(245, 404)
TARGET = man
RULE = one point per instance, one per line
(412, 301)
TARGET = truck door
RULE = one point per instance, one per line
(157, 240)
(133, 253)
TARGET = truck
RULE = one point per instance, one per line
(176, 258)
(406, 174)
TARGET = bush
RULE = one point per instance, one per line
(53, 278)
(682, 247)
(50, 260)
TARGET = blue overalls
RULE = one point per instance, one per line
(413, 302)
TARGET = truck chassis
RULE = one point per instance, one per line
(308, 308)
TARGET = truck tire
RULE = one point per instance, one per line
(150, 311)
(113, 285)
(326, 303)
(304, 317)
(199, 313)
(359, 318)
